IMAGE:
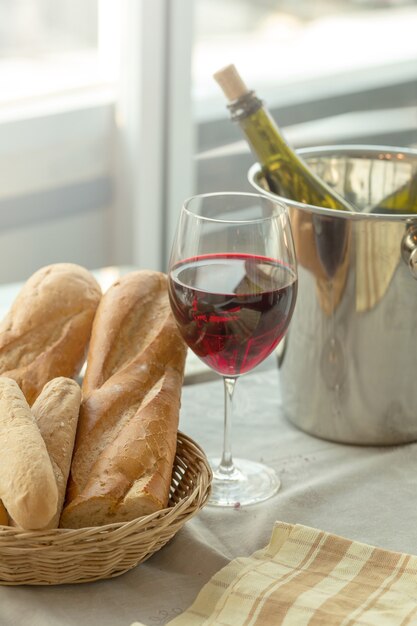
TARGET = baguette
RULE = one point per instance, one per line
(46, 332)
(126, 437)
(56, 412)
(27, 482)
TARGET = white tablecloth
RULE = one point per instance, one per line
(367, 494)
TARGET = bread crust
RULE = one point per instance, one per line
(27, 482)
(56, 412)
(46, 332)
(4, 518)
(126, 436)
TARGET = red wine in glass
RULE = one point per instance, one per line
(232, 309)
(233, 285)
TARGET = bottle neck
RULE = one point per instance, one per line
(244, 106)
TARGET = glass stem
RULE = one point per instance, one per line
(226, 467)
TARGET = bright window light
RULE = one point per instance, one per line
(278, 45)
(51, 47)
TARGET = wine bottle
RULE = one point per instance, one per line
(286, 173)
(402, 200)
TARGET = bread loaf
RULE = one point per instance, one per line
(46, 332)
(27, 482)
(56, 412)
(126, 437)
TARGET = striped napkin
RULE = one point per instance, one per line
(307, 576)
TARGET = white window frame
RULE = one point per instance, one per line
(137, 144)
(154, 128)
(142, 140)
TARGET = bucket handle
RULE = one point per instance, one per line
(409, 248)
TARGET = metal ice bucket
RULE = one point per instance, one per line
(349, 361)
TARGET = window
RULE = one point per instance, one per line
(109, 115)
(91, 130)
(58, 70)
(54, 46)
(333, 71)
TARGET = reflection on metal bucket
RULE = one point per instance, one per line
(347, 370)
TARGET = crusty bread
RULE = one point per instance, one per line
(46, 332)
(56, 412)
(126, 437)
(4, 518)
(27, 483)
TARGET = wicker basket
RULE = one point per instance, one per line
(54, 557)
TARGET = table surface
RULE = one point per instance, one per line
(364, 493)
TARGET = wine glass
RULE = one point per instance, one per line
(232, 287)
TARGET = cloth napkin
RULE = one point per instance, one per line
(307, 576)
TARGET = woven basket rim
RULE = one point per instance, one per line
(79, 555)
(205, 478)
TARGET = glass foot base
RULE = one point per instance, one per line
(249, 483)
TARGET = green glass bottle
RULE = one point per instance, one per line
(401, 201)
(286, 173)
